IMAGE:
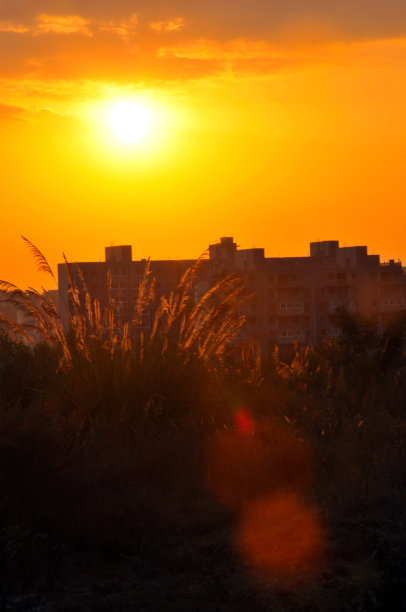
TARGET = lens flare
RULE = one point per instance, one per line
(256, 459)
(244, 421)
(281, 537)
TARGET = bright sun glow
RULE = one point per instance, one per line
(130, 121)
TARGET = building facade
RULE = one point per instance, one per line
(295, 299)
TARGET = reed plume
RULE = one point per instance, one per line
(98, 347)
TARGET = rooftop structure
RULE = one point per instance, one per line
(296, 298)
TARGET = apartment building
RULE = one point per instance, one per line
(295, 298)
(116, 281)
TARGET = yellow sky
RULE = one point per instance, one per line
(274, 142)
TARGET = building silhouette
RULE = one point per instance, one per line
(295, 299)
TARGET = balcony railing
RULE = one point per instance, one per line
(290, 308)
(290, 336)
(393, 304)
(349, 305)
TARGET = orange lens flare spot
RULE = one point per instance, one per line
(243, 467)
(244, 421)
(281, 538)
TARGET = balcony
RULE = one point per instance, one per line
(333, 332)
(393, 304)
(348, 305)
(290, 308)
(290, 336)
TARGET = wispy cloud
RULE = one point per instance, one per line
(138, 49)
(232, 50)
(49, 24)
(125, 29)
(239, 55)
(14, 27)
(173, 25)
(62, 24)
(29, 112)
(72, 24)
(8, 111)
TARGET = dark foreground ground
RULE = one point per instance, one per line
(196, 567)
(296, 504)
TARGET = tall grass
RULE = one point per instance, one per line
(110, 369)
(203, 328)
(118, 408)
(109, 428)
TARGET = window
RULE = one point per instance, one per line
(290, 336)
(349, 305)
(291, 308)
(393, 304)
(333, 332)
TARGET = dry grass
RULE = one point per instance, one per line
(203, 328)
(122, 436)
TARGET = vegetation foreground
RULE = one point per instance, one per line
(169, 467)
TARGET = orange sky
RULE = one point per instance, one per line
(277, 123)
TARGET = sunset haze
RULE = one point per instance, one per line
(276, 123)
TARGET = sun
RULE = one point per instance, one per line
(130, 121)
